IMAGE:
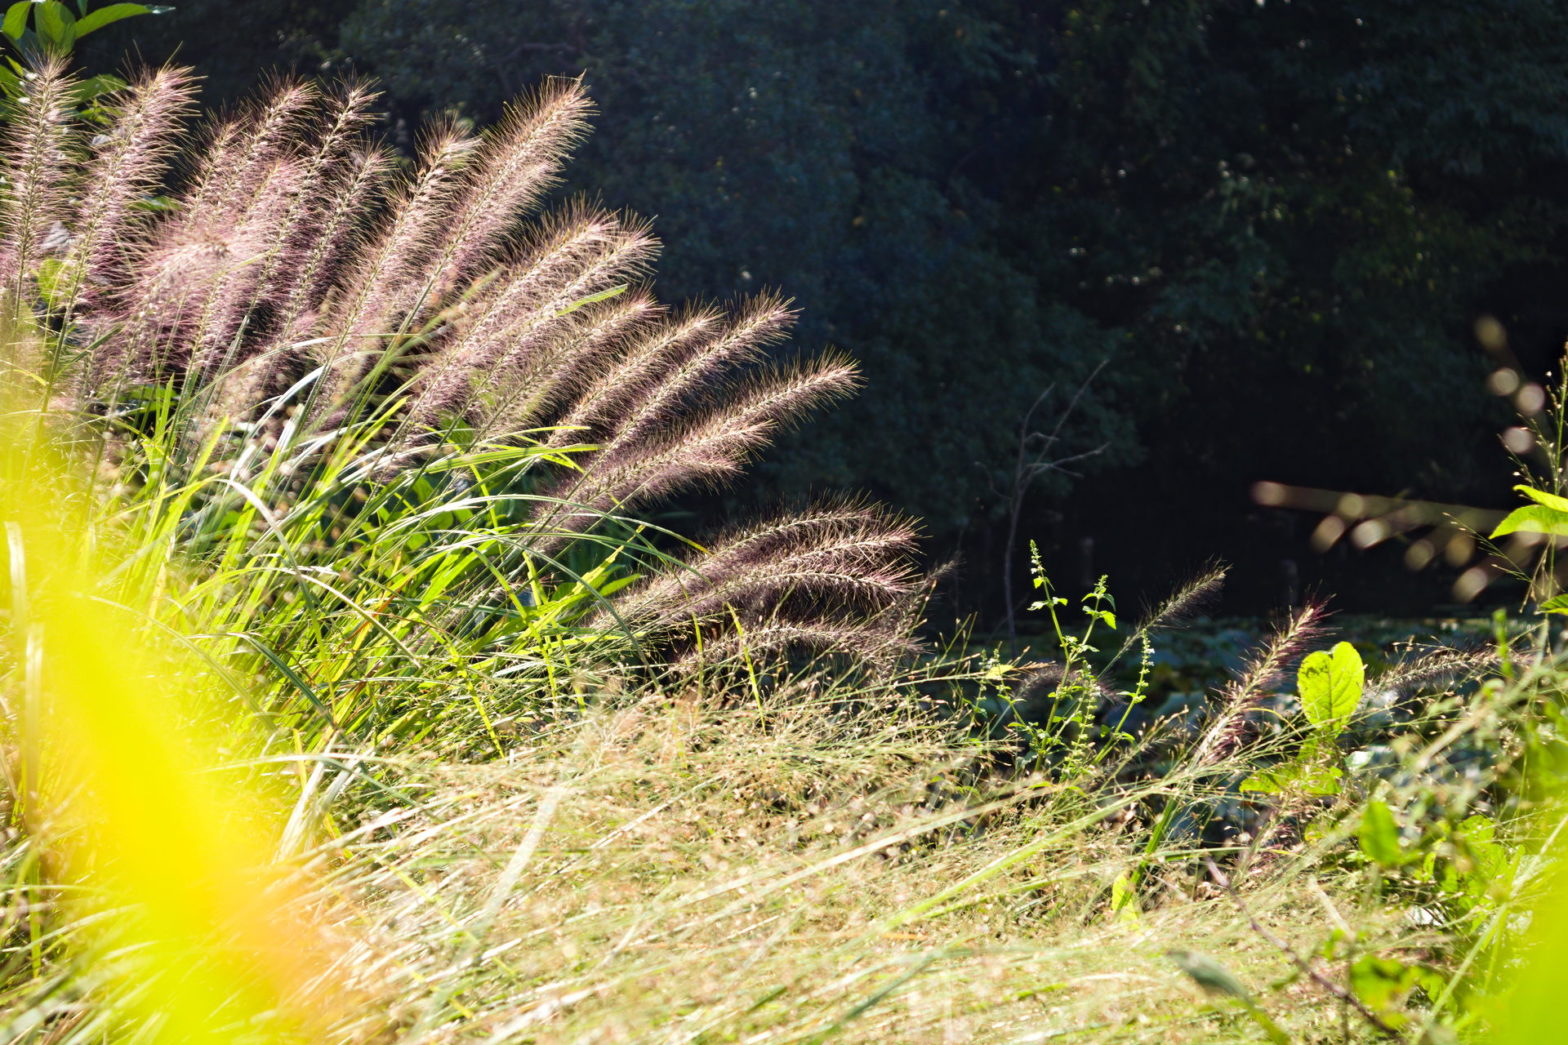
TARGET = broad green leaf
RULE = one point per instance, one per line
(15, 23)
(1380, 835)
(1330, 685)
(95, 87)
(1271, 781)
(56, 24)
(1534, 518)
(108, 16)
(1321, 780)
(1381, 984)
(1489, 859)
(52, 281)
(1477, 829)
(1294, 776)
(1555, 604)
(1541, 497)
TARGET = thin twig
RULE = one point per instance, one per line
(1297, 960)
(1025, 472)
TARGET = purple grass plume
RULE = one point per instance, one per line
(280, 269)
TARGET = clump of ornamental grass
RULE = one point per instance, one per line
(819, 861)
(399, 428)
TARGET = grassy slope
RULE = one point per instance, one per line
(789, 863)
(782, 874)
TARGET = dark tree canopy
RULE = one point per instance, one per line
(1275, 223)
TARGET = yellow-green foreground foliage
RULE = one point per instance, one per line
(659, 869)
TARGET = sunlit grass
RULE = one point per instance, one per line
(668, 871)
(719, 857)
(151, 849)
(364, 712)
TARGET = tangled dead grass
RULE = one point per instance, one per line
(666, 871)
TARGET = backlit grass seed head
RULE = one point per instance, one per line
(1228, 728)
(40, 142)
(309, 305)
(714, 447)
(127, 163)
(520, 160)
(634, 373)
(835, 570)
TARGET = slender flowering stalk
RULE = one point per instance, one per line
(39, 146)
(127, 165)
(1227, 730)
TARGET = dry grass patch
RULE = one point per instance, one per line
(669, 872)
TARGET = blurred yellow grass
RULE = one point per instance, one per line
(129, 782)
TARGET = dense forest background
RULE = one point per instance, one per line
(1251, 238)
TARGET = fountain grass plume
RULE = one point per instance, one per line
(300, 324)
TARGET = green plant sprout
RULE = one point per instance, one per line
(1055, 710)
(1330, 685)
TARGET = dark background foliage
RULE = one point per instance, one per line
(1274, 223)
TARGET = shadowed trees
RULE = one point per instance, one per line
(1275, 222)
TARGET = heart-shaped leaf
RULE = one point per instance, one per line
(1330, 685)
